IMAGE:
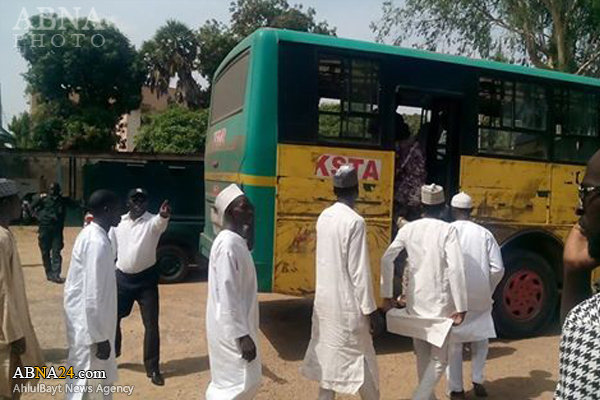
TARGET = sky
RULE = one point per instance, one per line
(139, 19)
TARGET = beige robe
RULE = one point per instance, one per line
(15, 322)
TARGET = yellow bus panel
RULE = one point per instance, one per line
(304, 190)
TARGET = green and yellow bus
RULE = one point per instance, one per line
(288, 108)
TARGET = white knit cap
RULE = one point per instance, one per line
(345, 177)
(8, 188)
(462, 200)
(223, 200)
(432, 195)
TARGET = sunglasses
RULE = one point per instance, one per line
(585, 191)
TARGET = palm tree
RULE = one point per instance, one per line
(171, 53)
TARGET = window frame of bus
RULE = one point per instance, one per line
(552, 137)
(346, 94)
(562, 95)
(542, 135)
(244, 54)
(299, 94)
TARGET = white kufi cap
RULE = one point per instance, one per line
(345, 177)
(432, 195)
(8, 188)
(223, 200)
(462, 200)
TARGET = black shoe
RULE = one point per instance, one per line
(156, 378)
(58, 280)
(457, 395)
(479, 390)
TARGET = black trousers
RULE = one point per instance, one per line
(143, 288)
(50, 240)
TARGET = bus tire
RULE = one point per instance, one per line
(525, 300)
(173, 263)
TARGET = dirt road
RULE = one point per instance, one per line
(523, 369)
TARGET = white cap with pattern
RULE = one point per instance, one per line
(432, 195)
(345, 177)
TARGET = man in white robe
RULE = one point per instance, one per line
(232, 305)
(90, 299)
(340, 354)
(483, 271)
(436, 295)
(18, 343)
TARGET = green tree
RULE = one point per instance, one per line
(20, 127)
(86, 72)
(250, 15)
(217, 39)
(171, 53)
(562, 35)
(176, 130)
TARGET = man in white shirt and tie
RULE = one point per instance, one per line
(136, 239)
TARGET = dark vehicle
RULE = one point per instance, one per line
(179, 181)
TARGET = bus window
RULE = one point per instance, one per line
(513, 119)
(531, 107)
(230, 89)
(576, 125)
(348, 96)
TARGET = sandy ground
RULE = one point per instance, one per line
(522, 369)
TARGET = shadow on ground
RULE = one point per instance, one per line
(530, 387)
(172, 368)
(287, 324)
(56, 356)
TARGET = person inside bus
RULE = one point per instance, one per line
(580, 342)
(340, 355)
(409, 174)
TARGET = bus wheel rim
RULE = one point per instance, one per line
(523, 295)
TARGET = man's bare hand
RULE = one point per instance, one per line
(401, 301)
(458, 318)
(165, 209)
(103, 350)
(376, 323)
(248, 348)
(388, 304)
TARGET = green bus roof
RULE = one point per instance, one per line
(370, 47)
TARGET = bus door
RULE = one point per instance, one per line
(434, 121)
(443, 145)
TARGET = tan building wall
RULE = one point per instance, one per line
(129, 125)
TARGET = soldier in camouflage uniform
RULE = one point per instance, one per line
(51, 210)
